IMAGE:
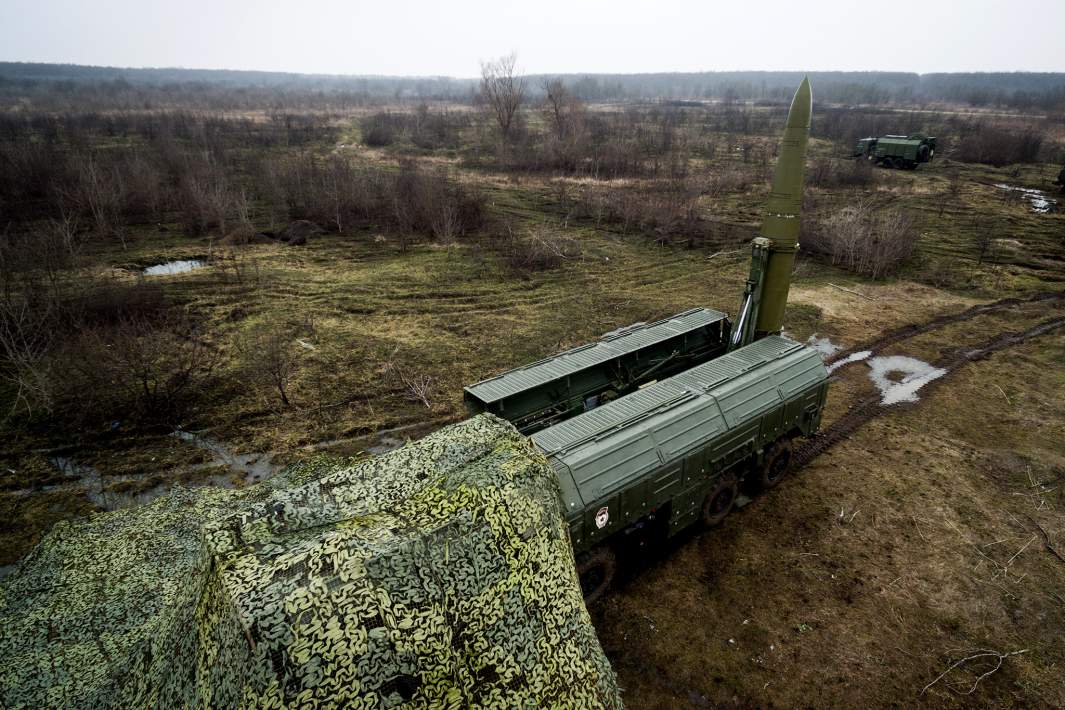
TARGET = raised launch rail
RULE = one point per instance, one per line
(543, 393)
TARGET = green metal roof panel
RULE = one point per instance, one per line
(757, 393)
(805, 369)
(608, 348)
(604, 469)
(616, 443)
(665, 394)
(618, 413)
(689, 424)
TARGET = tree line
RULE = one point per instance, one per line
(59, 86)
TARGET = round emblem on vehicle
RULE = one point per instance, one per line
(602, 517)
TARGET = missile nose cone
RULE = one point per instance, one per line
(801, 106)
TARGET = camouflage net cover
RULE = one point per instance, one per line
(438, 575)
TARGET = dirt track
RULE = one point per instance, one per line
(870, 407)
(908, 331)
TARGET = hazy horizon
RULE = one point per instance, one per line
(407, 39)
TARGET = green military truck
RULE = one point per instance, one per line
(676, 452)
(897, 151)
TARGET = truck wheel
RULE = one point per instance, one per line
(894, 162)
(718, 502)
(595, 570)
(776, 464)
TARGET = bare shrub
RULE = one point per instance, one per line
(268, 359)
(999, 146)
(379, 129)
(98, 193)
(27, 336)
(433, 204)
(424, 128)
(235, 266)
(728, 180)
(204, 199)
(417, 387)
(140, 369)
(871, 244)
(542, 250)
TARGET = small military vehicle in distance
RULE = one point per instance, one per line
(897, 151)
(656, 427)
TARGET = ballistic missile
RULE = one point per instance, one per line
(783, 212)
(773, 251)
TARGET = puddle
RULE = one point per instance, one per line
(915, 374)
(853, 357)
(385, 444)
(823, 345)
(84, 476)
(1036, 198)
(106, 492)
(102, 491)
(255, 467)
(174, 267)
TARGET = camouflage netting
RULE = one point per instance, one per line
(439, 575)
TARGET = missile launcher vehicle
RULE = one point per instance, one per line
(657, 427)
(677, 452)
(897, 151)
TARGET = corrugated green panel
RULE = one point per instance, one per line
(573, 361)
(747, 398)
(804, 369)
(616, 444)
(614, 415)
(687, 425)
(604, 467)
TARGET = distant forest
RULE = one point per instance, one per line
(68, 86)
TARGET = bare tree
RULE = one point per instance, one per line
(418, 387)
(269, 358)
(503, 90)
(557, 103)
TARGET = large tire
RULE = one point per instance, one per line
(775, 465)
(718, 502)
(595, 570)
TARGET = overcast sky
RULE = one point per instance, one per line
(451, 37)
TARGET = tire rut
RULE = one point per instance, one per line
(870, 408)
(908, 331)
